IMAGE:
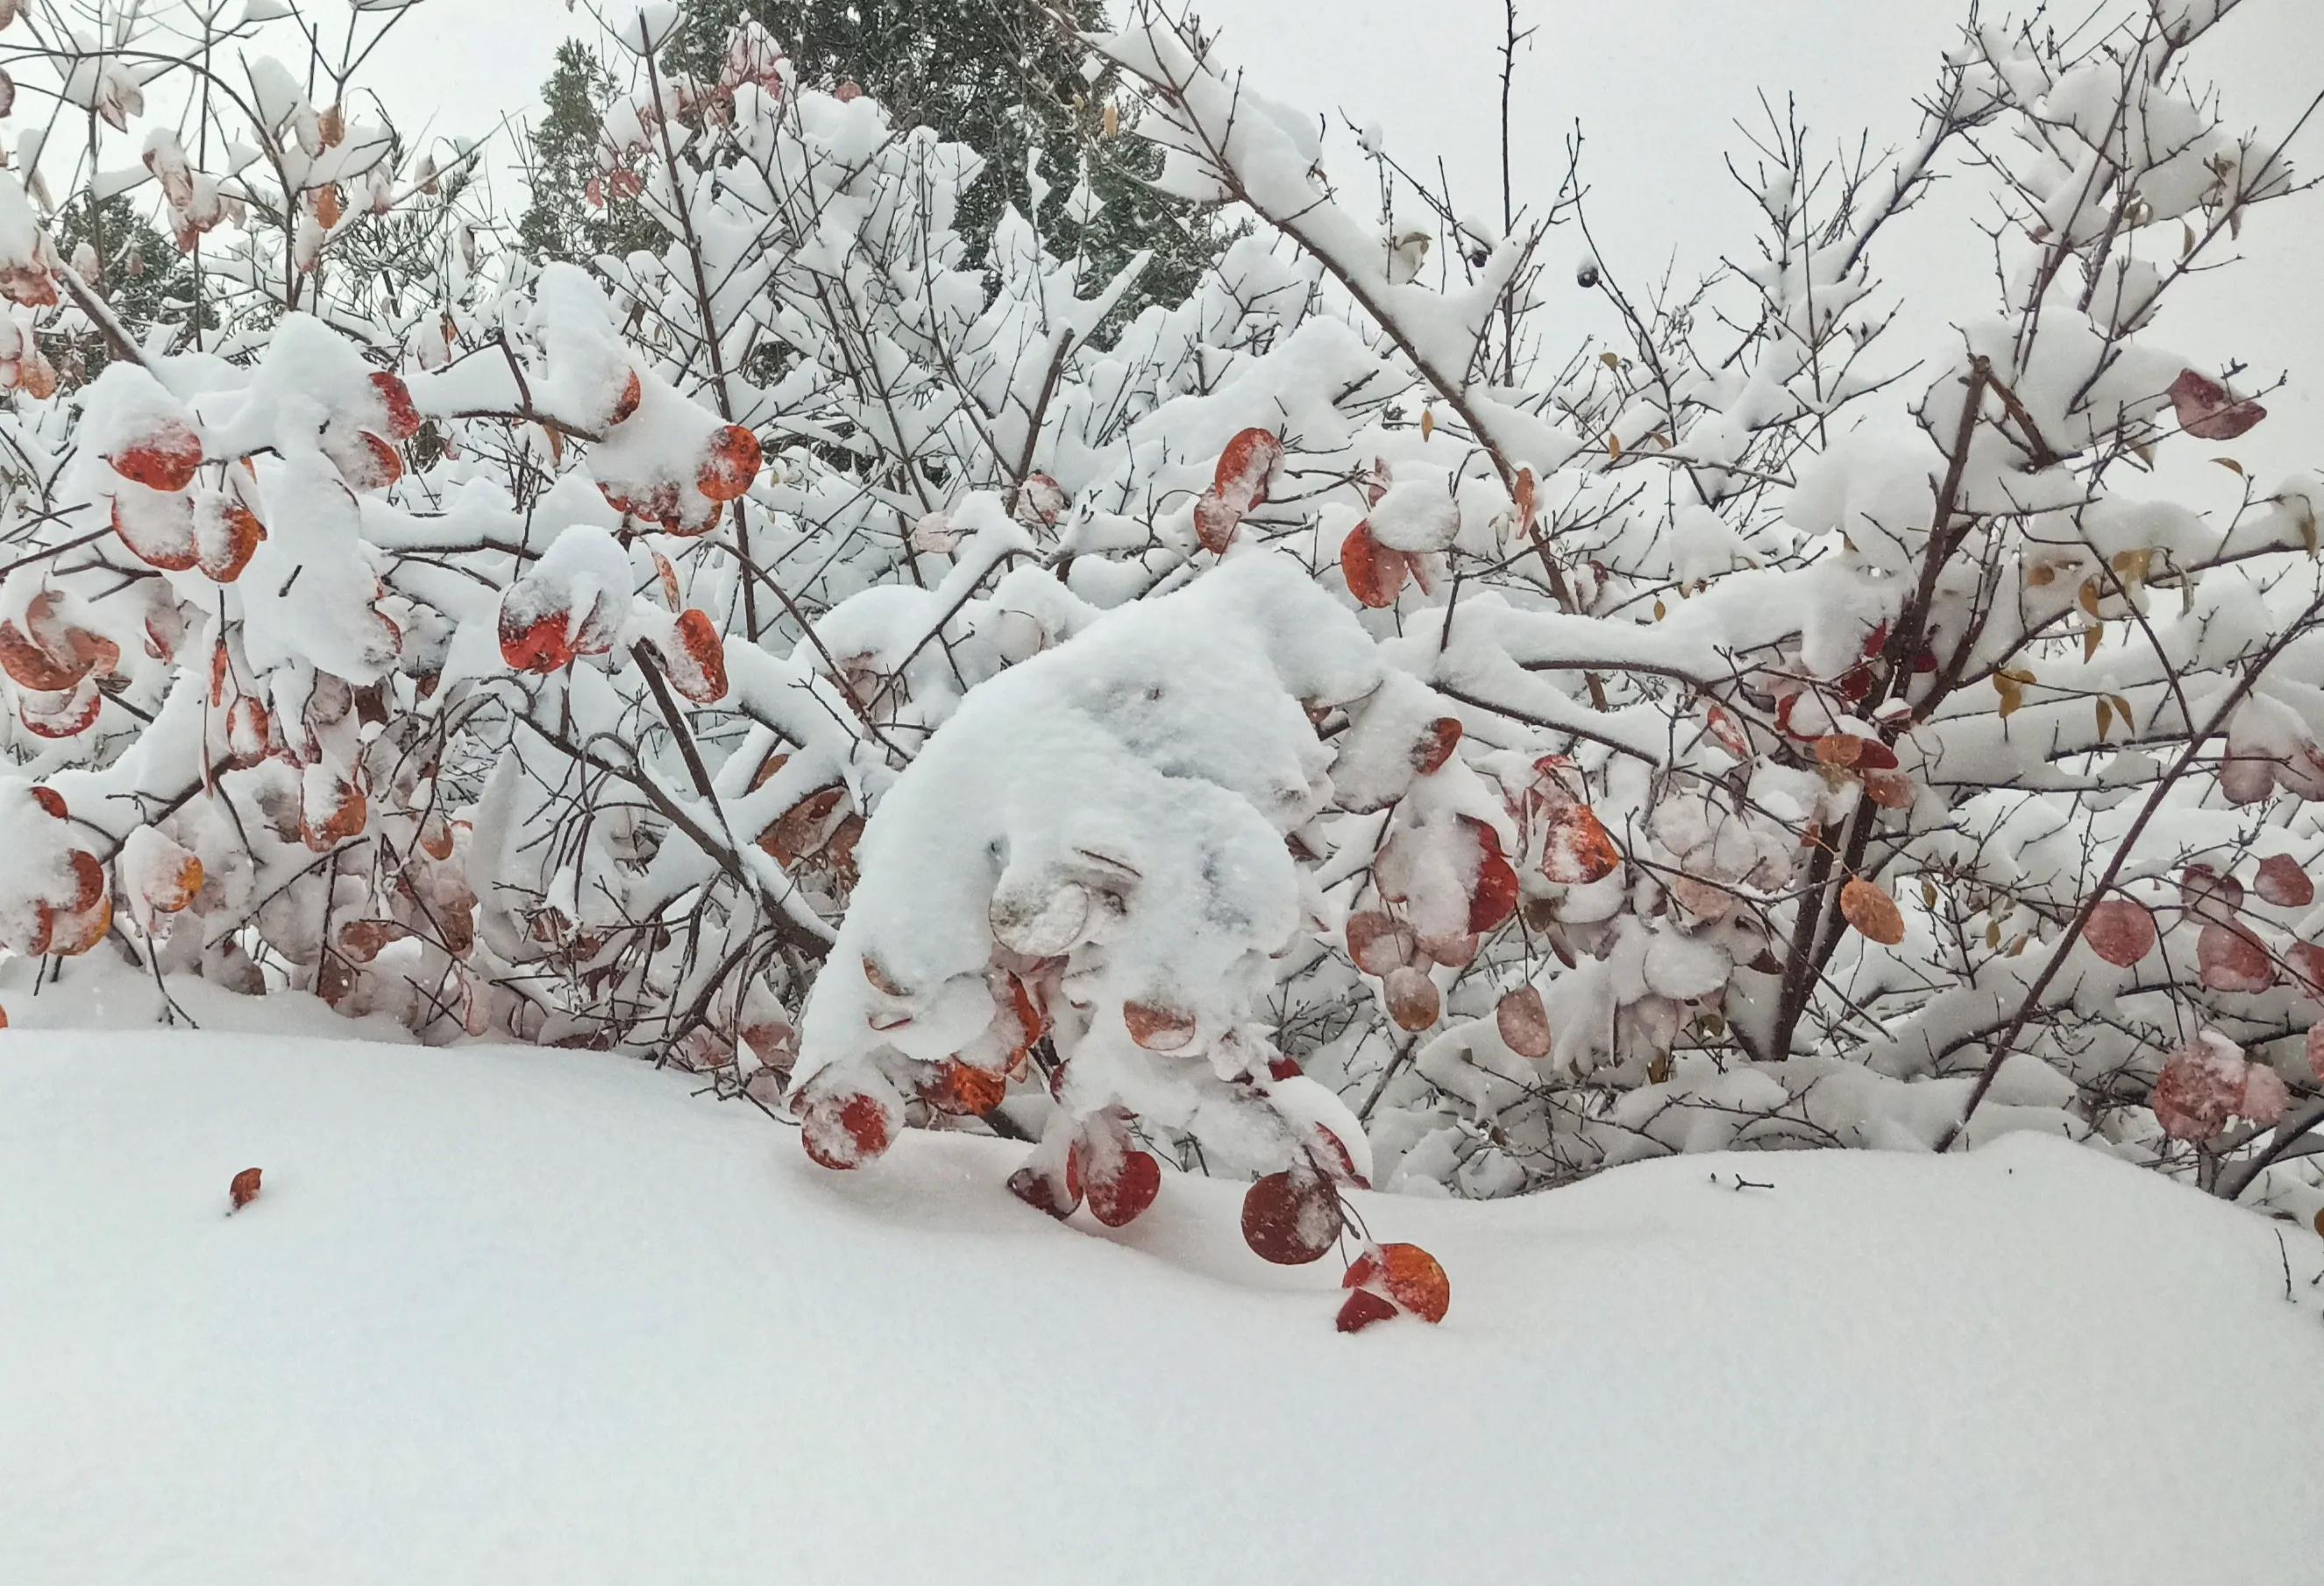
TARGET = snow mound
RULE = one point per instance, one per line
(508, 1315)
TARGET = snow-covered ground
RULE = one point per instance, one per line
(513, 1315)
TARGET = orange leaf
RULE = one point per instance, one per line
(732, 464)
(701, 674)
(1406, 1276)
(1157, 1028)
(1872, 911)
(1576, 848)
(1375, 574)
(402, 417)
(165, 460)
(841, 1129)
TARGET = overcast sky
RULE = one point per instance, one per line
(1657, 85)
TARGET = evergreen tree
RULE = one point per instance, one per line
(145, 279)
(993, 74)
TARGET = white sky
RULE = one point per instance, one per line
(1657, 86)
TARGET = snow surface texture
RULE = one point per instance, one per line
(512, 1316)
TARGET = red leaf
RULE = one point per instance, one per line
(30, 665)
(1291, 1218)
(1454, 952)
(1116, 1199)
(2209, 896)
(2229, 958)
(1524, 1023)
(1412, 1000)
(1360, 1309)
(2284, 883)
(2120, 931)
(1216, 522)
(1247, 467)
(1722, 727)
(539, 646)
(1036, 1189)
(245, 1188)
(1576, 848)
(842, 1129)
(1375, 574)
(625, 404)
(2208, 410)
(2200, 1088)
(1157, 1028)
(1379, 943)
(1436, 746)
(2247, 778)
(402, 417)
(2308, 963)
(1496, 897)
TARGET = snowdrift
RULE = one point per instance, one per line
(509, 1315)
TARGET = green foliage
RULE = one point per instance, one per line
(995, 74)
(144, 278)
(561, 223)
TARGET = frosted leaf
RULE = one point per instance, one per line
(2281, 881)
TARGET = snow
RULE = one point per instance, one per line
(504, 1315)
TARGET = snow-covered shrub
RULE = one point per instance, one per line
(1330, 729)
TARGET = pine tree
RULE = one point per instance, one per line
(996, 75)
(561, 223)
(144, 278)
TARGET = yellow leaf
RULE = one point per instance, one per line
(2231, 465)
(1661, 611)
(1613, 446)
(1427, 422)
(1928, 893)
(2012, 692)
(2092, 636)
(2039, 574)
(2106, 716)
(1611, 360)
(1112, 121)
(1993, 933)
(2089, 595)
(2308, 528)
(2131, 567)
